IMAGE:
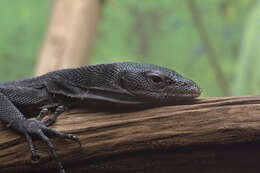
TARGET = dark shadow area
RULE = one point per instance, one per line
(239, 158)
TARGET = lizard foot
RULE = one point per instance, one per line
(37, 128)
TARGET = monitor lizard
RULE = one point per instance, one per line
(55, 92)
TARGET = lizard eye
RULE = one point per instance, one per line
(156, 77)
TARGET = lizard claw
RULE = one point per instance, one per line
(74, 138)
(42, 114)
(35, 158)
(59, 110)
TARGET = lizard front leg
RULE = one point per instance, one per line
(14, 119)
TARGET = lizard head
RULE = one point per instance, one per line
(151, 83)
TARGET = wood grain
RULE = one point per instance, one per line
(210, 135)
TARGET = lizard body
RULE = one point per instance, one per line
(116, 83)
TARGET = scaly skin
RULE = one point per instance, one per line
(116, 83)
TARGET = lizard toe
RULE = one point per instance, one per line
(74, 138)
(62, 135)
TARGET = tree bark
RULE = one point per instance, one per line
(216, 135)
(70, 36)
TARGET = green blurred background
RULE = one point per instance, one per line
(164, 32)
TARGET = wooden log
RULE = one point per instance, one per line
(214, 135)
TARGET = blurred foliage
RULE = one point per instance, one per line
(248, 76)
(22, 27)
(164, 33)
(159, 32)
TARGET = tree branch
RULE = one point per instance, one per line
(206, 135)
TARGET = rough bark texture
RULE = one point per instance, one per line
(217, 135)
(70, 36)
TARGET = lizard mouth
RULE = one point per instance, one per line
(196, 92)
(187, 94)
